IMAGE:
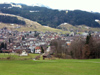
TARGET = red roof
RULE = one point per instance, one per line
(7, 50)
(37, 47)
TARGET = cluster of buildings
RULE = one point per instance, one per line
(32, 41)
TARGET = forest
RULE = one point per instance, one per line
(9, 19)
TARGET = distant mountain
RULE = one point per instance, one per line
(39, 5)
(51, 17)
(20, 4)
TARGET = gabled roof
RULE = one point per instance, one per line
(37, 47)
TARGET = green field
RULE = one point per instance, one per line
(49, 67)
(12, 56)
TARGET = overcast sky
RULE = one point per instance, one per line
(87, 5)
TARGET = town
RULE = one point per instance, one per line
(33, 41)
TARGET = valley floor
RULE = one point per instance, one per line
(50, 67)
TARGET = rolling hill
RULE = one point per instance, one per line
(29, 25)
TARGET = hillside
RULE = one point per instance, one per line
(77, 28)
(11, 19)
(29, 25)
(50, 17)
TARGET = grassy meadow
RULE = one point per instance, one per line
(49, 67)
(15, 56)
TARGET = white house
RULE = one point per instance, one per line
(37, 49)
(24, 53)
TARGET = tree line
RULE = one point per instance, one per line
(79, 48)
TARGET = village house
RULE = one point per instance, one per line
(37, 49)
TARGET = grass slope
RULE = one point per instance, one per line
(50, 67)
(30, 25)
(80, 28)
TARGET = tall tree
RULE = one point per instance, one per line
(42, 50)
(88, 38)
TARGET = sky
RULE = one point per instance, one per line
(85, 5)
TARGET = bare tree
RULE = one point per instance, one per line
(76, 48)
(60, 48)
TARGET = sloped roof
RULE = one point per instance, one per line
(37, 47)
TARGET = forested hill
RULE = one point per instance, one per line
(50, 17)
(10, 19)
